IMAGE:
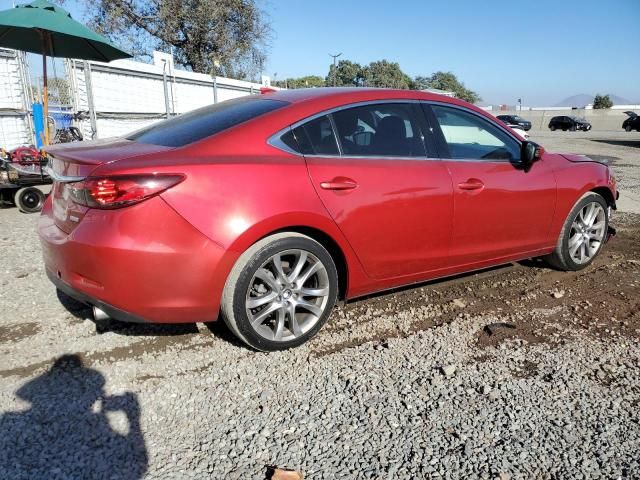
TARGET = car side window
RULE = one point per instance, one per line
(468, 136)
(314, 137)
(379, 130)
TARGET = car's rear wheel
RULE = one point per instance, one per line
(280, 292)
(583, 234)
(29, 199)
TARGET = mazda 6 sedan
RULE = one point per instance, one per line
(266, 210)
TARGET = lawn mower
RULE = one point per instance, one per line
(22, 170)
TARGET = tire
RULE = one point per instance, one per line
(563, 258)
(573, 128)
(627, 128)
(255, 277)
(552, 128)
(29, 199)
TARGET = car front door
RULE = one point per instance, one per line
(392, 200)
(501, 210)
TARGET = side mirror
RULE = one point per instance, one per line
(531, 152)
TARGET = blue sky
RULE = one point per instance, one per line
(539, 50)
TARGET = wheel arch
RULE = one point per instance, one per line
(351, 274)
(605, 192)
(332, 247)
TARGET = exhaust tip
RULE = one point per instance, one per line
(99, 314)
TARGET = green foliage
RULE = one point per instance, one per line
(449, 82)
(602, 102)
(381, 73)
(386, 74)
(208, 36)
(347, 74)
(310, 81)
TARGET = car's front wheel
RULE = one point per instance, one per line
(583, 234)
(280, 292)
(627, 128)
(552, 128)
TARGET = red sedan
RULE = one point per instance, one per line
(266, 210)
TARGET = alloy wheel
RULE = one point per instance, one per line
(587, 232)
(287, 295)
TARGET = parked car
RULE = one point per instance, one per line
(519, 131)
(564, 122)
(266, 210)
(631, 123)
(515, 120)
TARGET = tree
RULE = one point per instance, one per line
(347, 74)
(381, 73)
(602, 102)
(449, 82)
(223, 37)
(386, 74)
(310, 81)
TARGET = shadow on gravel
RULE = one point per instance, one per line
(72, 428)
(620, 143)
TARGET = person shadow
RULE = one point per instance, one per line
(72, 430)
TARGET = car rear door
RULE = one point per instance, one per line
(391, 199)
(500, 209)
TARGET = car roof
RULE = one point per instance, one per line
(355, 94)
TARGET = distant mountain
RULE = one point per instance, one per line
(584, 99)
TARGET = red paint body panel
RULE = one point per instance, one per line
(167, 258)
(511, 212)
(146, 260)
(398, 219)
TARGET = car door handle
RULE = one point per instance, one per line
(339, 183)
(471, 184)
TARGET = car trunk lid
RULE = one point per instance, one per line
(72, 162)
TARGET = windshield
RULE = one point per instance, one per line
(206, 121)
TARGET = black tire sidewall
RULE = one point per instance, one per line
(594, 197)
(246, 275)
(26, 191)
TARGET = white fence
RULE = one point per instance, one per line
(126, 95)
(112, 99)
(15, 121)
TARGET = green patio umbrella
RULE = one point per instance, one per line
(42, 27)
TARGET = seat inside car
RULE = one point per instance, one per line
(391, 137)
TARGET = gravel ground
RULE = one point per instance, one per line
(514, 372)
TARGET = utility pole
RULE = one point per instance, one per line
(334, 67)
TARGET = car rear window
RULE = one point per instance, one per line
(206, 121)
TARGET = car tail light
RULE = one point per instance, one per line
(121, 190)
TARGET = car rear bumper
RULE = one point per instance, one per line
(143, 263)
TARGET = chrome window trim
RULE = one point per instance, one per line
(274, 140)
